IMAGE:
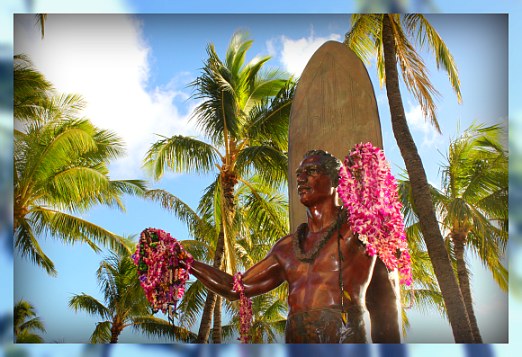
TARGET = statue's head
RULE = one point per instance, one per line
(329, 164)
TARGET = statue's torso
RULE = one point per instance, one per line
(315, 285)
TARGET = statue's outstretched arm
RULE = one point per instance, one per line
(259, 279)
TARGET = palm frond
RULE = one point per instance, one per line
(25, 321)
(200, 250)
(361, 37)
(101, 333)
(418, 24)
(90, 305)
(153, 326)
(30, 89)
(192, 303)
(33, 324)
(414, 72)
(197, 226)
(28, 246)
(270, 163)
(72, 229)
(266, 211)
(218, 115)
(181, 154)
(27, 337)
(268, 120)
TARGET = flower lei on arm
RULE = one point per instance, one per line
(162, 277)
(368, 190)
(245, 308)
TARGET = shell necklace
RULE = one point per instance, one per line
(300, 235)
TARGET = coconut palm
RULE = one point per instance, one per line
(261, 219)
(25, 322)
(244, 114)
(473, 205)
(60, 168)
(387, 36)
(125, 304)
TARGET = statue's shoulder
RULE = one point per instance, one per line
(283, 245)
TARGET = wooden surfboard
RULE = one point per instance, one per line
(334, 108)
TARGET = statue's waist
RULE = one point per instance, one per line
(336, 309)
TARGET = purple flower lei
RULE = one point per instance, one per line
(245, 308)
(162, 277)
(368, 190)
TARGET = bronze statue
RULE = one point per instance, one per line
(333, 285)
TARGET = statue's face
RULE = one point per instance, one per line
(313, 184)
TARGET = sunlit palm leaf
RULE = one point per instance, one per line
(180, 154)
(72, 229)
(261, 157)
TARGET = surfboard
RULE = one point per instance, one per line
(334, 108)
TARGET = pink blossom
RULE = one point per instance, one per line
(368, 190)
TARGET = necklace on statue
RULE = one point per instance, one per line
(300, 236)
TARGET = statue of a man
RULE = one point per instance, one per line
(332, 282)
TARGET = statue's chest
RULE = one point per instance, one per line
(313, 259)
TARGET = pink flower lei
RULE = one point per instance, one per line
(368, 190)
(162, 277)
(245, 308)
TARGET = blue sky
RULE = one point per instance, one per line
(156, 56)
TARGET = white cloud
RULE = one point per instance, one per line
(103, 58)
(295, 53)
(418, 123)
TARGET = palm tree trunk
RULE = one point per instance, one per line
(210, 302)
(116, 329)
(421, 195)
(228, 182)
(463, 277)
(206, 318)
(216, 331)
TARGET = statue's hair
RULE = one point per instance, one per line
(330, 163)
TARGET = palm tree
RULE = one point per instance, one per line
(244, 114)
(125, 304)
(25, 322)
(473, 205)
(60, 168)
(387, 35)
(261, 219)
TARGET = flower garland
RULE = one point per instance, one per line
(245, 308)
(368, 190)
(158, 256)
